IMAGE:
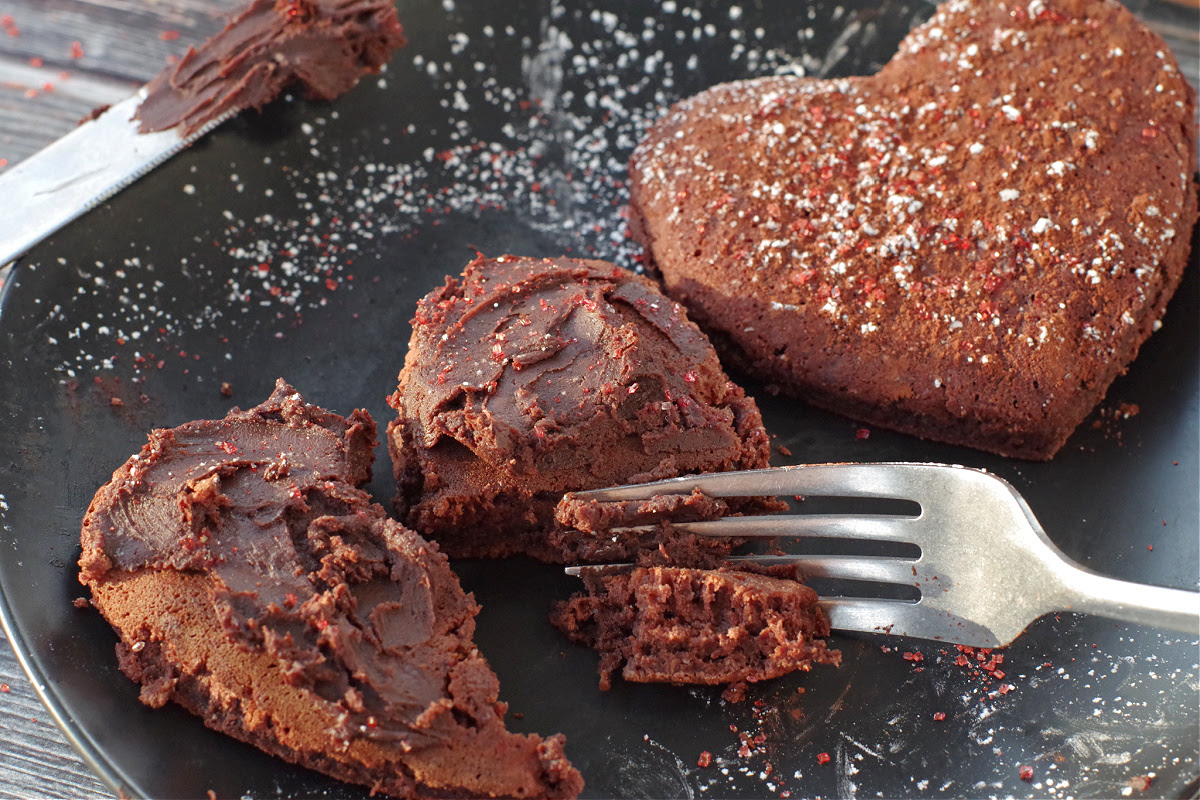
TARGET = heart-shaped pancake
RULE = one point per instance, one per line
(968, 246)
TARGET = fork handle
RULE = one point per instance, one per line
(1174, 609)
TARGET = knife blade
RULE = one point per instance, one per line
(80, 171)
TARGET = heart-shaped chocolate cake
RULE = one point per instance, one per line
(968, 246)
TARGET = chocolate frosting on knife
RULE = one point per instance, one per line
(324, 45)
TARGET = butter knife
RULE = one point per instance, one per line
(80, 171)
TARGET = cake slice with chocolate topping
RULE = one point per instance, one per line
(254, 583)
(529, 378)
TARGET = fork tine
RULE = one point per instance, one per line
(880, 527)
(883, 569)
(892, 480)
(901, 618)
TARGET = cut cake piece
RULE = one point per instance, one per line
(529, 378)
(252, 582)
(679, 625)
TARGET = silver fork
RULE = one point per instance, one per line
(986, 569)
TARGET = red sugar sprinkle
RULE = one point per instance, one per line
(35, 62)
(822, 758)
(1026, 772)
(76, 50)
(4, 688)
(705, 759)
(1140, 782)
(938, 716)
(862, 433)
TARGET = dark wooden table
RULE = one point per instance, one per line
(59, 59)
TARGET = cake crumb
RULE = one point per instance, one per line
(1139, 782)
(734, 692)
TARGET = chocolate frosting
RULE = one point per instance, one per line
(324, 45)
(523, 357)
(352, 605)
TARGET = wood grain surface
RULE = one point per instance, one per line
(59, 59)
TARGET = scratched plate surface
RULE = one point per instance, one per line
(295, 243)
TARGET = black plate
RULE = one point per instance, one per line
(505, 127)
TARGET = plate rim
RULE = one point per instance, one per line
(93, 756)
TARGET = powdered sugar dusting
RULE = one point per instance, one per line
(591, 83)
(897, 192)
